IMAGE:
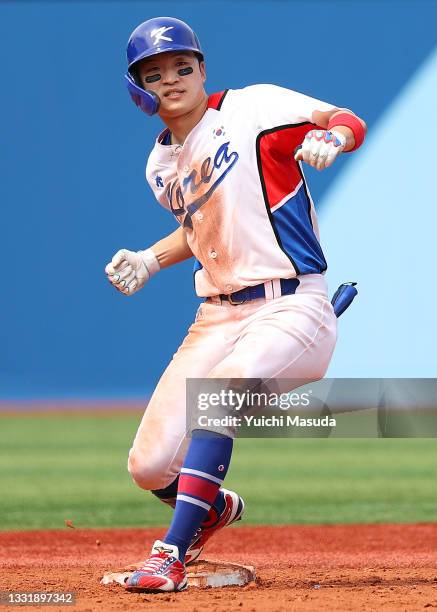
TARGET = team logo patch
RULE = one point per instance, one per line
(158, 34)
(218, 132)
(158, 180)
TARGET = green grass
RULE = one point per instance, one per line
(73, 467)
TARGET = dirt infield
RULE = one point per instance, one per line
(355, 567)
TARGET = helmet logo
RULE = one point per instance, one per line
(158, 34)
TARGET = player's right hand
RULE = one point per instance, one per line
(129, 271)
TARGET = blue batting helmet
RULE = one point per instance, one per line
(158, 35)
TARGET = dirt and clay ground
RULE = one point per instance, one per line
(354, 567)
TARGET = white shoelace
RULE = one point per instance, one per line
(156, 564)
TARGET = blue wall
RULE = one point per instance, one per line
(73, 154)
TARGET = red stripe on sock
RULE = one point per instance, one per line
(191, 485)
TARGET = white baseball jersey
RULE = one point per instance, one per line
(235, 188)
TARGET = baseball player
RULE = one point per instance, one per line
(229, 168)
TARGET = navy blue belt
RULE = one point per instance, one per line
(288, 286)
(341, 299)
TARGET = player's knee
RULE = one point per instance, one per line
(232, 369)
(147, 471)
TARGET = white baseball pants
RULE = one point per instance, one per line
(291, 337)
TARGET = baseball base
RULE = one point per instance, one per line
(201, 574)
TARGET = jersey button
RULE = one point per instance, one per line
(213, 254)
(199, 216)
(228, 288)
(186, 169)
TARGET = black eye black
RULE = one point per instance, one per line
(185, 71)
(152, 78)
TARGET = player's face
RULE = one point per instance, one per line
(177, 78)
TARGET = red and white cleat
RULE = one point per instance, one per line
(233, 511)
(161, 573)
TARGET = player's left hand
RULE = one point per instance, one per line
(320, 148)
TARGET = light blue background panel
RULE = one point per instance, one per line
(386, 197)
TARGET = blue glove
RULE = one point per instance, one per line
(343, 297)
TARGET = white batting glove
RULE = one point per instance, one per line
(129, 271)
(320, 148)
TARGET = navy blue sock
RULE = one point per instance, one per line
(204, 470)
(168, 495)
